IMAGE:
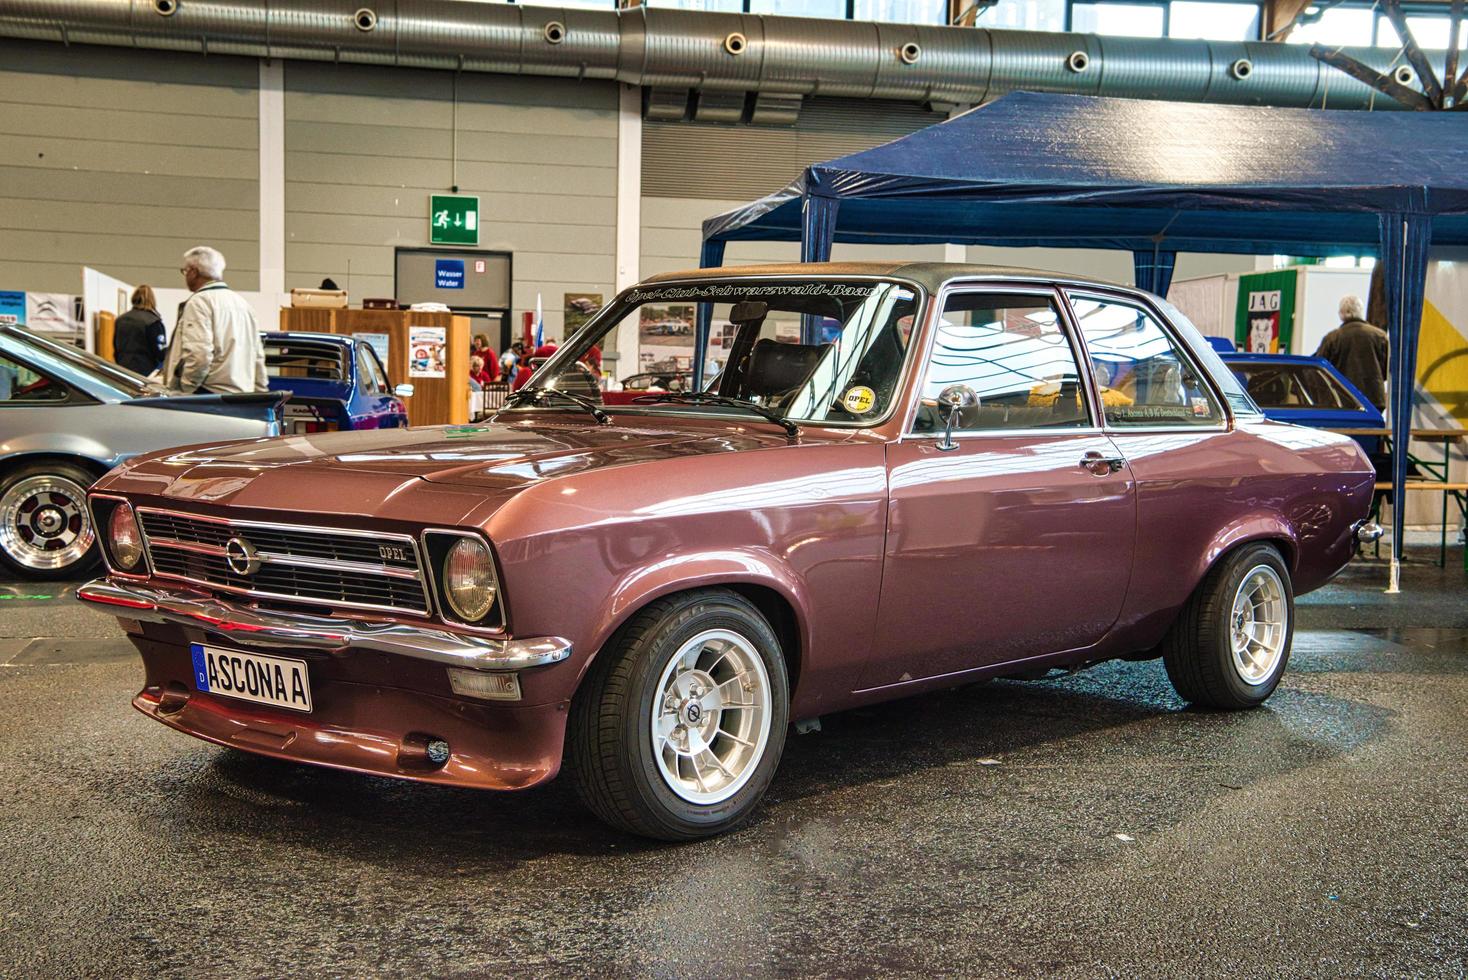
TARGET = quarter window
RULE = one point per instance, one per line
(369, 377)
(19, 385)
(1011, 352)
(1144, 380)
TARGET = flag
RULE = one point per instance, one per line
(539, 324)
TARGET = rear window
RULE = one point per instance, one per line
(314, 360)
(1295, 386)
(1233, 390)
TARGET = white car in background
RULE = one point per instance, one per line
(67, 417)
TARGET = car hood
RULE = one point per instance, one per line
(320, 470)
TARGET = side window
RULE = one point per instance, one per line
(1011, 351)
(369, 376)
(1144, 380)
(19, 385)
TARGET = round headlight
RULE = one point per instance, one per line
(468, 578)
(123, 538)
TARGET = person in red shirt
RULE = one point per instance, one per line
(592, 359)
(478, 373)
(535, 360)
(491, 363)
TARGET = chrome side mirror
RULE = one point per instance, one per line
(403, 391)
(952, 401)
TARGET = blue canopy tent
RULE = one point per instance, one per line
(1154, 178)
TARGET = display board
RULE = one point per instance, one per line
(458, 278)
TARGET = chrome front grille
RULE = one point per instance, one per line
(356, 569)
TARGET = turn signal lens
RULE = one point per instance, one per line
(496, 686)
(468, 576)
(123, 538)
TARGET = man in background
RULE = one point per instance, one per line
(216, 346)
(510, 360)
(1359, 351)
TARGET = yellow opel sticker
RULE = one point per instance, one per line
(859, 399)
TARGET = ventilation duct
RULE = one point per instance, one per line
(665, 49)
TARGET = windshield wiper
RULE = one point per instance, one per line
(709, 398)
(533, 396)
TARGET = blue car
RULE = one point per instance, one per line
(336, 383)
(1306, 391)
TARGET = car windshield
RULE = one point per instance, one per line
(49, 353)
(845, 370)
(317, 360)
(1303, 386)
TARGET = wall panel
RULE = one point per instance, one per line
(121, 160)
(366, 147)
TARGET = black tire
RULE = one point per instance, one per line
(610, 744)
(1198, 650)
(27, 566)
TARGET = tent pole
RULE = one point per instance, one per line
(817, 231)
(711, 257)
(1405, 238)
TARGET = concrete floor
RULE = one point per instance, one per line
(1078, 827)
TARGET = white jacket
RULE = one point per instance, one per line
(216, 345)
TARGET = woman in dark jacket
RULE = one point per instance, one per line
(138, 335)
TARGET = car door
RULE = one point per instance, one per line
(373, 400)
(1013, 539)
(1190, 466)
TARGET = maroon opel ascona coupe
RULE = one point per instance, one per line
(884, 478)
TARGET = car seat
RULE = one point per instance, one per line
(777, 370)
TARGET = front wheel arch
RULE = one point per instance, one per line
(621, 772)
(96, 467)
(774, 601)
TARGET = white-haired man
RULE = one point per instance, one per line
(216, 345)
(1358, 350)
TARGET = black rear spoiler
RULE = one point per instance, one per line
(264, 406)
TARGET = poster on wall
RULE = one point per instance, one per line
(53, 313)
(579, 308)
(12, 307)
(1264, 322)
(426, 351)
(665, 337)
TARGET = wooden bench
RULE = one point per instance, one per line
(1428, 485)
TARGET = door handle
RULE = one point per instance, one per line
(1102, 465)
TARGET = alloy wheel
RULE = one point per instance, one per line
(1258, 625)
(710, 718)
(44, 524)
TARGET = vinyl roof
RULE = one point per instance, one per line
(931, 275)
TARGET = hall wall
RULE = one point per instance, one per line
(121, 160)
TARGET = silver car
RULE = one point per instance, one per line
(67, 417)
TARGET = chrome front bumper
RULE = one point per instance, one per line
(264, 628)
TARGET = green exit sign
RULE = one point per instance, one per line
(453, 220)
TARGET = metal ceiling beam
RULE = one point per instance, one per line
(1425, 73)
(1409, 97)
(668, 49)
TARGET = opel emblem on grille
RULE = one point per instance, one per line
(240, 556)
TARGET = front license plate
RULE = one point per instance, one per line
(278, 681)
